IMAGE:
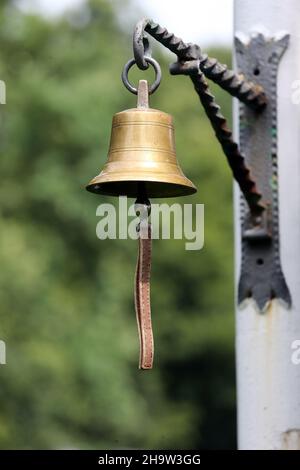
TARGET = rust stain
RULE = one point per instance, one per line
(290, 440)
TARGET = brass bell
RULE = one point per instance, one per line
(142, 152)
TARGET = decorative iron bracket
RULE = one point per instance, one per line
(261, 274)
(254, 161)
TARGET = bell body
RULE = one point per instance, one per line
(142, 154)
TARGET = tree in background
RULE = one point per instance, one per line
(67, 313)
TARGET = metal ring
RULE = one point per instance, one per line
(154, 85)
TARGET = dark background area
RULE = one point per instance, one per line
(66, 297)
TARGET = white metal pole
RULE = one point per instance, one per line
(268, 381)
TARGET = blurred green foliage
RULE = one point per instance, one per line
(67, 314)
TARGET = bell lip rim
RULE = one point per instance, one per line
(189, 190)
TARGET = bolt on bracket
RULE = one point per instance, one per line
(261, 274)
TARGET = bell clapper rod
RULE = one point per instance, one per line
(142, 199)
(143, 268)
(142, 276)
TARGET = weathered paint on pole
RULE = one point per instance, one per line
(268, 369)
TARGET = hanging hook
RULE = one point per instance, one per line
(141, 45)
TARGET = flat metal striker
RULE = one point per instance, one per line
(261, 274)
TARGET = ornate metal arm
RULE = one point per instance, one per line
(192, 62)
(247, 92)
